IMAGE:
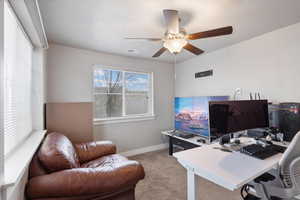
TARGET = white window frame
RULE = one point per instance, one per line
(126, 118)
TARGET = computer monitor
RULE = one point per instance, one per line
(191, 114)
(232, 116)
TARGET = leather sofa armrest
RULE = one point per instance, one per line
(86, 181)
(91, 150)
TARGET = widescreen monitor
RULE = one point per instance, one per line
(232, 116)
(191, 114)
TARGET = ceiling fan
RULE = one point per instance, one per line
(176, 38)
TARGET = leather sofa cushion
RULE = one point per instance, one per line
(110, 161)
(57, 153)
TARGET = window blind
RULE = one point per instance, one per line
(17, 82)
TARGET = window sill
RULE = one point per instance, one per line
(17, 162)
(123, 119)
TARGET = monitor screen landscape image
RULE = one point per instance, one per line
(192, 114)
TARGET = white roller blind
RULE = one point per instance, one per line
(17, 76)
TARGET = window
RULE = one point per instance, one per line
(17, 82)
(122, 94)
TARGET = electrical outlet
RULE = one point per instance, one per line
(238, 91)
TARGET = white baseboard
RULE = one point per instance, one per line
(145, 150)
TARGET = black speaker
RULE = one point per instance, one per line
(289, 119)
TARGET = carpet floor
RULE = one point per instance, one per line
(166, 180)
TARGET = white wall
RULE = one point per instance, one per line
(69, 79)
(269, 64)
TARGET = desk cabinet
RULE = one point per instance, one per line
(181, 143)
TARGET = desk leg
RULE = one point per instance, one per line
(192, 186)
(170, 146)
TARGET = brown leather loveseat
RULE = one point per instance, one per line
(63, 171)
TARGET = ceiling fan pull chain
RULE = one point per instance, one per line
(175, 60)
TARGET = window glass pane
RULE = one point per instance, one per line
(108, 105)
(107, 81)
(108, 92)
(136, 83)
(137, 89)
(115, 87)
(115, 82)
(100, 84)
(136, 104)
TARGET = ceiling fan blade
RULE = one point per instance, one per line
(211, 33)
(148, 39)
(193, 49)
(161, 51)
(172, 21)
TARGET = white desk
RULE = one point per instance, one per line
(230, 170)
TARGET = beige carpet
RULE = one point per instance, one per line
(166, 180)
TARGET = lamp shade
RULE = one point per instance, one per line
(175, 45)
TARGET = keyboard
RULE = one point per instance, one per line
(260, 152)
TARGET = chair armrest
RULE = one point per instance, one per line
(92, 150)
(86, 181)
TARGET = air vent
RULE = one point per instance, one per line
(204, 74)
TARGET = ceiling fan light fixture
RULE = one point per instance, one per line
(175, 45)
(176, 38)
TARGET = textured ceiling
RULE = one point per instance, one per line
(101, 25)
